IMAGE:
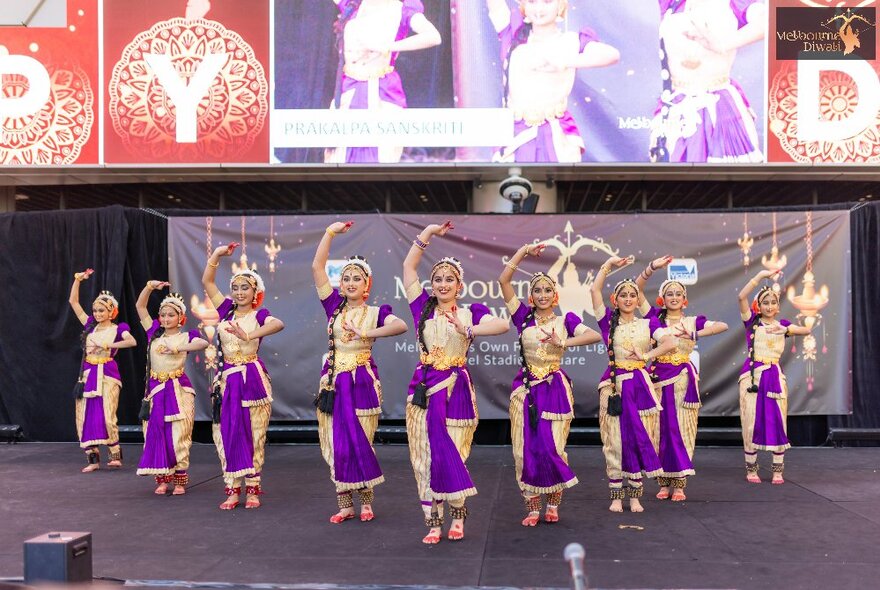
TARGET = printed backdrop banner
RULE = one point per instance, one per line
(724, 251)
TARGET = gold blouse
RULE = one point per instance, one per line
(235, 350)
(683, 346)
(768, 347)
(100, 337)
(352, 352)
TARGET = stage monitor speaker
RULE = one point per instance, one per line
(58, 557)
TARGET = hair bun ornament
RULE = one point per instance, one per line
(360, 263)
(450, 263)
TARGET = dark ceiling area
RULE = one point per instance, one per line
(453, 196)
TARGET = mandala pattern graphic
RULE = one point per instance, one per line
(838, 98)
(55, 135)
(229, 117)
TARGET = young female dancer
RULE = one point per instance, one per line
(99, 382)
(763, 392)
(540, 63)
(441, 413)
(676, 381)
(243, 389)
(350, 398)
(168, 410)
(542, 402)
(627, 407)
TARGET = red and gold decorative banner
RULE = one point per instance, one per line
(186, 82)
(824, 82)
(48, 86)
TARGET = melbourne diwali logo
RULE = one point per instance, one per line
(825, 33)
(569, 284)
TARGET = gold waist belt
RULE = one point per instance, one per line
(766, 360)
(674, 359)
(443, 362)
(629, 365)
(538, 116)
(364, 73)
(542, 372)
(239, 359)
(700, 85)
(164, 376)
(349, 361)
(98, 360)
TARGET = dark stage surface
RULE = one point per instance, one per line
(820, 530)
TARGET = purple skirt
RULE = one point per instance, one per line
(543, 468)
(769, 422)
(354, 460)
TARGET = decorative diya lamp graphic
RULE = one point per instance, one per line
(242, 263)
(809, 303)
(208, 320)
(775, 262)
(746, 241)
(272, 248)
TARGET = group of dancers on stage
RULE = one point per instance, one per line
(647, 416)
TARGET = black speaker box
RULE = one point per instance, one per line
(58, 557)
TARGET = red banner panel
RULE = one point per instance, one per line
(48, 90)
(186, 82)
(824, 87)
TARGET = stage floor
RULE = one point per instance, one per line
(820, 530)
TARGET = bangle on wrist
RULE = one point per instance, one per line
(511, 265)
(469, 333)
(418, 243)
(213, 264)
(330, 232)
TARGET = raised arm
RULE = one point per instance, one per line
(499, 14)
(414, 256)
(642, 279)
(601, 276)
(743, 297)
(80, 313)
(144, 298)
(507, 273)
(426, 35)
(210, 274)
(596, 55)
(754, 30)
(322, 254)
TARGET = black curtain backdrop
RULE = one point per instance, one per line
(39, 335)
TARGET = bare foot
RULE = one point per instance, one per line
(367, 513)
(230, 502)
(663, 493)
(178, 491)
(753, 478)
(456, 531)
(551, 515)
(531, 519)
(616, 506)
(433, 536)
(343, 515)
(90, 468)
(678, 495)
(115, 464)
(777, 479)
(635, 505)
(161, 489)
(253, 501)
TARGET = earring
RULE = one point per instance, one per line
(685, 304)
(531, 301)
(556, 299)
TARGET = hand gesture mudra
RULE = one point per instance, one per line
(226, 250)
(552, 337)
(440, 230)
(535, 249)
(84, 275)
(358, 333)
(340, 227)
(235, 328)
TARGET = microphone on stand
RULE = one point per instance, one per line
(574, 555)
